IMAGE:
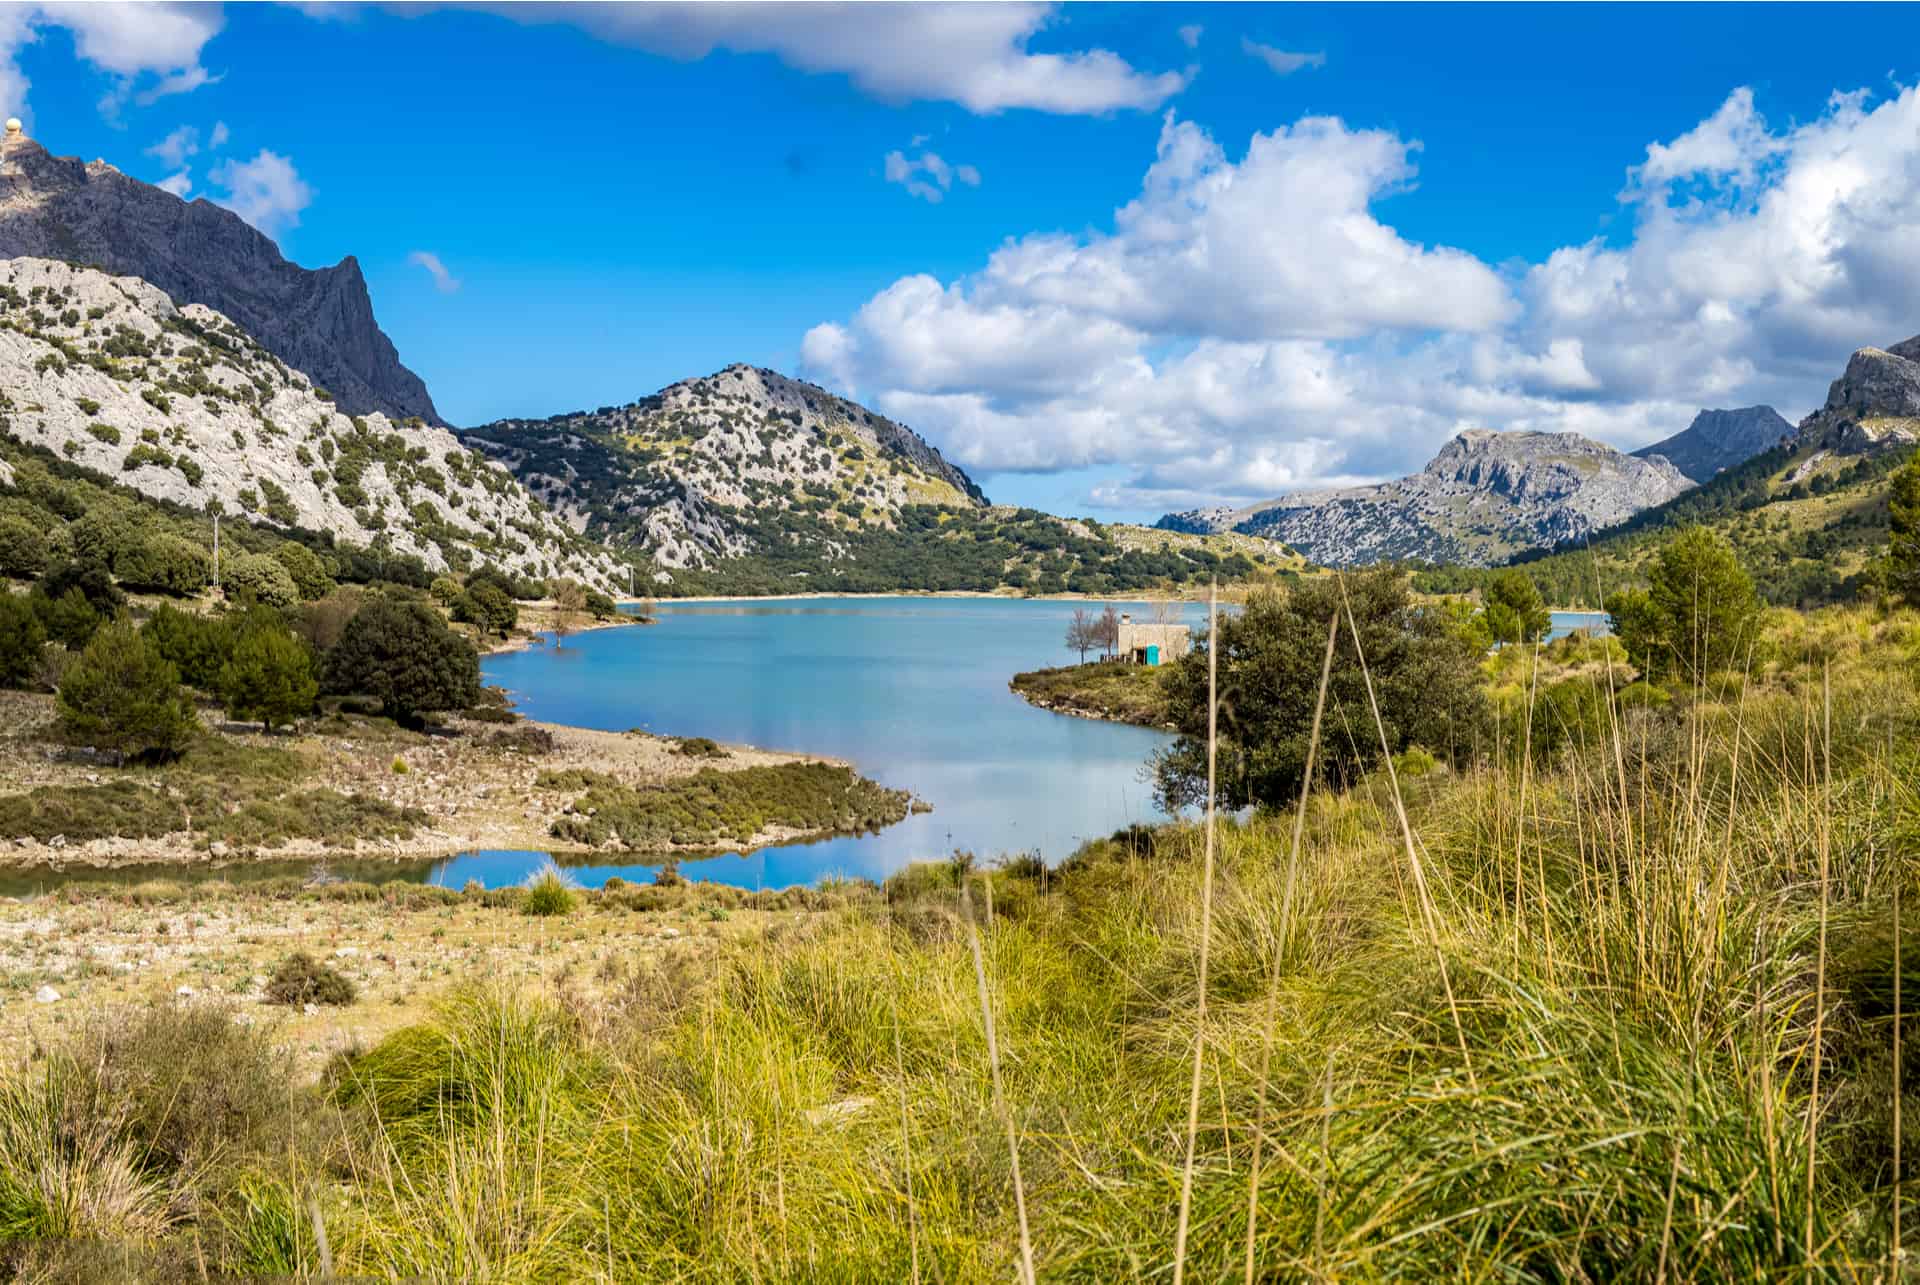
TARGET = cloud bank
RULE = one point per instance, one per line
(1247, 326)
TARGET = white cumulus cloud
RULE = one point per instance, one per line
(443, 281)
(151, 50)
(180, 184)
(266, 191)
(975, 55)
(1246, 326)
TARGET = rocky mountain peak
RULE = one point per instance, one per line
(319, 321)
(1483, 496)
(1874, 404)
(693, 472)
(1721, 439)
(1879, 383)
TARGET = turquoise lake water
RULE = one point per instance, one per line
(913, 691)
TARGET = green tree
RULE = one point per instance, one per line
(165, 564)
(494, 611)
(1515, 611)
(258, 578)
(269, 677)
(1903, 516)
(404, 654)
(69, 619)
(312, 580)
(1425, 673)
(22, 637)
(122, 695)
(103, 534)
(1698, 613)
(23, 549)
(197, 645)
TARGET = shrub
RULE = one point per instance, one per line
(123, 696)
(22, 639)
(104, 433)
(269, 676)
(548, 894)
(166, 564)
(69, 619)
(404, 654)
(302, 979)
(400, 767)
(311, 579)
(445, 590)
(699, 747)
(259, 578)
(23, 549)
(92, 579)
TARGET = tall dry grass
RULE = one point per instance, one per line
(1556, 1017)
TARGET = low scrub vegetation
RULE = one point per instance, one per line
(713, 808)
(302, 979)
(1111, 689)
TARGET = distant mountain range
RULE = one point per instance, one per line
(1808, 515)
(1484, 497)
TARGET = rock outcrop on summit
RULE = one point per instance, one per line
(1484, 497)
(696, 472)
(1720, 439)
(1873, 405)
(319, 321)
(184, 406)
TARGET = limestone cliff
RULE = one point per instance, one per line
(318, 321)
(183, 405)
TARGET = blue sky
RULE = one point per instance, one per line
(1353, 231)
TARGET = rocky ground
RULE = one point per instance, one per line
(67, 958)
(473, 781)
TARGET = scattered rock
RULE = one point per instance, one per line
(46, 995)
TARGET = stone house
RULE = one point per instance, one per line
(1142, 643)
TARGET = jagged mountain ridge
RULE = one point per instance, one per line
(686, 473)
(1484, 496)
(319, 321)
(1720, 439)
(183, 405)
(1808, 516)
